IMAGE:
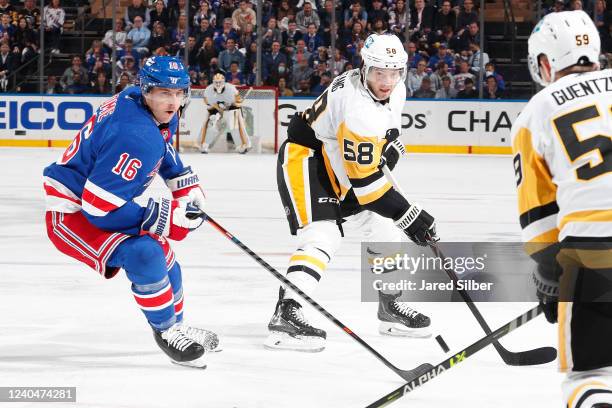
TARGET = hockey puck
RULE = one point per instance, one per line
(442, 343)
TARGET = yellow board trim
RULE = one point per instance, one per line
(311, 259)
(34, 143)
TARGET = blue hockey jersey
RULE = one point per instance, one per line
(112, 160)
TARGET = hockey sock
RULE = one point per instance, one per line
(305, 269)
(177, 286)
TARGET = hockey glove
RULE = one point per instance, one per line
(171, 218)
(186, 188)
(546, 281)
(392, 153)
(418, 225)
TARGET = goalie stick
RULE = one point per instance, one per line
(407, 375)
(457, 358)
(536, 356)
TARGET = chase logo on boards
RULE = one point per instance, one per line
(44, 115)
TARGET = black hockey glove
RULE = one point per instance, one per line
(392, 153)
(546, 281)
(418, 225)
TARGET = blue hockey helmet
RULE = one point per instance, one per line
(164, 72)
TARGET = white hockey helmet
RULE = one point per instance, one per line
(218, 82)
(566, 38)
(384, 51)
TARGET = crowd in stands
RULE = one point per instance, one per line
(442, 38)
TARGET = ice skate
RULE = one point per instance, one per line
(205, 148)
(206, 338)
(399, 319)
(289, 330)
(181, 349)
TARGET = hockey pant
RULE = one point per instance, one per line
(149, 263)
(233, 121)
(585, 322)
(307, 188)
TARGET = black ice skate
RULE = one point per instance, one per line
(207, 339)
(290, 331)
(180, 349)
(399, 319)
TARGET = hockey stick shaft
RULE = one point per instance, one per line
(405, 374)
(530, 357)
(457, 358)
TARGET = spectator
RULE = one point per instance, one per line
(425, 90)
(300, 4)
(490, 70)
(140, 35)
(446, 91)
(468, 92)
(124, 82)
(291, 35)
(7, 29)
(243, 15)
(300, 53)
(324, 81)
(69, 74)
(6, 7)
(130, 67)
(320, 69)
(441, 72)
(53, 17)
(79, 85)
(463, 75)
(379, 26)
(225, 10)
(421, 16)
(136, 9)
(30, 12)
(192, 54)
(558, 6)
(414, 56)
(274, 58)
(206, 54)
(101, 85)
(303, 88)
(233, 76)
(466, 16)
(377, 12)
(415, 77)
(159, 38)
(271, 34)
(203, 81)
(120, 36)
(491, 90)
(325, 16)
(278, 73)
(178, 37)
(312, 39)
(400, 16)
(282, 88)
(284, 23)
(602, 18)
(204, 30)
(337, 64)
(52, 87)
(320, 56)
(356, 59)
(205, 13)
(475, 58)
(301, 71)
(178, 9)
(96, 58)
(445, 17)
(575, 5)
(444, 55)
(225, 33)
(213, 68)
(284, 10)
(354, 37)
(127, 51)
(8, 63)
(355, 14)
(306, 17)
(159, 13)
(25, 40)
(471, 35)
(230, 54)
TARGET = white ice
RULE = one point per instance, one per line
(63, 325)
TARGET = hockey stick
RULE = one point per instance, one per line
(456, 358)
(407, 375)
(536, 356)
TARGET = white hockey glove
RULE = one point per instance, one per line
(171, 218)
(418, 225)
(186, 188)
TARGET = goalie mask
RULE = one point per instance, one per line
(566, 38)
(384, 62)
(218, 82)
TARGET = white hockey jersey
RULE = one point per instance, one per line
(227, 97)
(562, 145)
(352, 127)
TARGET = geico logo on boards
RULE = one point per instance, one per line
(323, 200)
(43, 115)
(463, 120)
(285, 113)
(418, 121)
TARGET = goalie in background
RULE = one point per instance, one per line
(223, 102)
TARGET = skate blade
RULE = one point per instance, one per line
(399, 330)
(283, 341)
(197, 363)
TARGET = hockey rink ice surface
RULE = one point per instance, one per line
(64, 325)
